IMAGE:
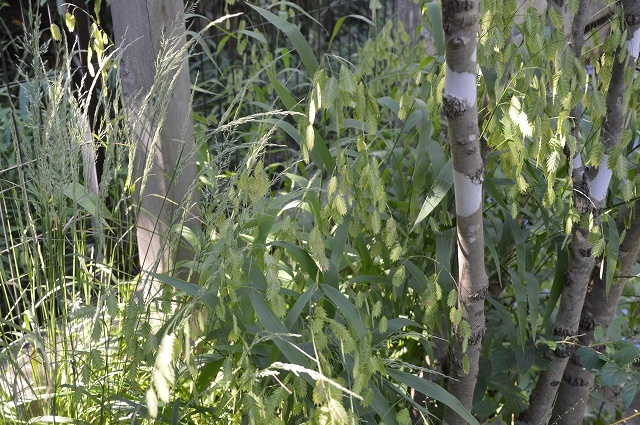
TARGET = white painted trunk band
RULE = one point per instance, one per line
(600, 184)
(577, 161)
(468, 195)
(633, 45)
(461, 85)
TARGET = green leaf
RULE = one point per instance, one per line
(493, 253)
(418, 277)
(207, 374)
(394, 325)
(254, 34)
(626, 353)
(612, 374)
(598, 334)
(273, 325)
(525, 358)
(339, 22)
(302, 257)
(338, 249)
(613, 246)
(533, 299)
(521, 300)
(426, 160)
(590, 359)
(381, 406)
(285, 96)
(433, 391)
(435, 29)
(295, 36)
(440, 188)
(558, 282)
(294, 313)
(204, 295)
(614, 331)
(629, 392)
(87, 200)
(507, 322)
(346, 308)
(444, 247)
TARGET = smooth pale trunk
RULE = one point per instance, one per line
(467, 193)
(599, 186)
(163, 145)
(459, 106)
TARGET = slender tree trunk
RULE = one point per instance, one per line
(157, 95)
(599, 310)
(410, 15)
(576, 278)
(592, 188)
(599, 307)
(460, 24)
(565, 327)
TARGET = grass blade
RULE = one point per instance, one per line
(274, 326)
(295, 36)
(434, 391)
(346, 308)
(440, 188)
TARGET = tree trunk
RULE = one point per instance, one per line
(592, 188)
(599, 307)
(156, 88)
(460, 24)
(408, 12)
(599, 310)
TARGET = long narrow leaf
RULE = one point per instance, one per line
(273, 325)
(300, 304)
(295, 36)
(440, 187)
(434, 391)
(339, 22)
(613, 246)
(507, 322)
(302, 257)
(346, 308)
(435, 18)
(87, 200)
(418, 276)
(202, 294)
(382, 408)
(558, 283)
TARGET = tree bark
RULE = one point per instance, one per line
(460, 24)
(593, 185)
(408, 12)
(155, 82)
(565, 327)
(599, 307)
(599, 310)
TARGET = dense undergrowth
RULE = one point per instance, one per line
(323, 279)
